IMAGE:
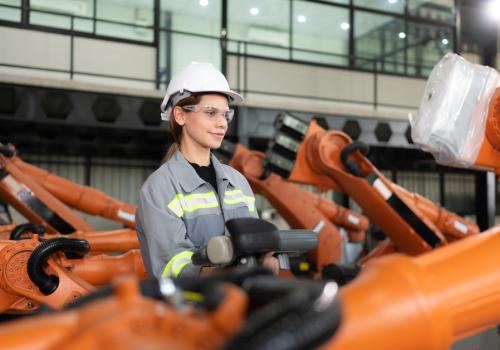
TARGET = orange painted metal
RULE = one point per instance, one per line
(83, 198)
(300, 208)
(101, 269)
(382, 248)
(17, 184)
(397, 302)
(19, 294)
(453, 227)
(76, 276)
(5, 230)
(424, 302)
(489, 153)
(121, 240)
(318, 159)
(127, 320)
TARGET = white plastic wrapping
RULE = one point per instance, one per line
(451, 119)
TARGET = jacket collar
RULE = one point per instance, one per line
(187, 176)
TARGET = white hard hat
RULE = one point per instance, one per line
(196, 78)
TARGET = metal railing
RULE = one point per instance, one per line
(229, 47)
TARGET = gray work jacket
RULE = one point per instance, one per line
(179, 212)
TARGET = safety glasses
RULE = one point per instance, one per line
(211, 112)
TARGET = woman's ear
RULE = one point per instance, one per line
(179, 115)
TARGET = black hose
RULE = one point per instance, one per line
(351, 165)
(49, 283)
(7, 151)
(293, 321)
(341, 273)
(17, 232)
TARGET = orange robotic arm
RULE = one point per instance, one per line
(33, 201)
(451, 225)
(298, 207)
(83, 198)
(129, 320)
(121, 240)
(426, 302)
(18, 292)
(331, 160)
(24, 283)
(101, 269)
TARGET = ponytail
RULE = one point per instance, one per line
(170, 152)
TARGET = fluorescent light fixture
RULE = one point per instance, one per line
(445, 41)
(254, 11)
(392, 1)
(301, 18)
(203, 3)
(402, 35)
(344, 26)
(493, 9)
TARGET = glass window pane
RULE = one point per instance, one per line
(426, 45)
(256, 49)
(125, 11)
(124, 31)
(83, 25)
(260, 22)
(438, 10)
(321, 28)
(16, 3)
(57, 13)
(49, 20)
(178, 50)
(345, 2)
(133, 14)
(192, 16)
(82, 8)
(379, 42)
(9, 13)
(397, 6)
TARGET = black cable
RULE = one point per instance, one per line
(17, 232)
(49, 283)
(293, 321)
(350, 165)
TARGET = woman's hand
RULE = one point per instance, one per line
(272, 263)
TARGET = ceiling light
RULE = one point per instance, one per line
(402, 35)
(445, 41)
(344, 26)
(301, 18)
(254, 11)
(392, 1)
(203, 3)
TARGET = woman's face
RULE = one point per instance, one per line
(205, 124)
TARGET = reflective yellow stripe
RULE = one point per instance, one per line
(197, 195)
(230, 193)
(177, 269)
(193, 296)
(192, 202)
(175, 206)
(177, 263)
(249, 201)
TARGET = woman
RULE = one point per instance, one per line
(189, 198)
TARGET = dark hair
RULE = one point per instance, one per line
(176, 129)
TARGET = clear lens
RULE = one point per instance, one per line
(212, 112)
